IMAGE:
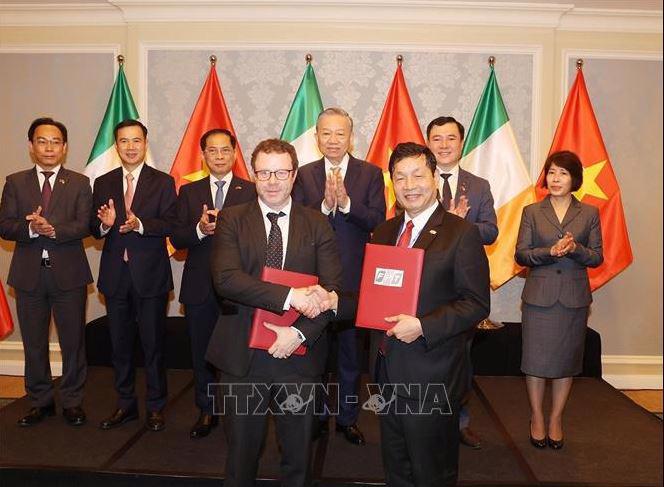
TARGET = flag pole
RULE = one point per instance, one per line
(213, 60)
(121, 60)
(486, 323)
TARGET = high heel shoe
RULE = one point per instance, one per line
(555, 444)
(537, 443)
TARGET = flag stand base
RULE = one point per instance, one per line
(487, 324)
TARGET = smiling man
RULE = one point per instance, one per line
(133, 210)
(45, 210)
(427, 352)
(271, 231)
(197, 208)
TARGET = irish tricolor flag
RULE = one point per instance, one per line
(491, 152)
(300, 126)
(103, 156)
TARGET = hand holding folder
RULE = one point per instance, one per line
(262, 337)
(390, 284)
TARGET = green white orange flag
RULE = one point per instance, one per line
(103, 156)
(209, 112)
(491, 152)
(578, 131)
(398, 123)
(300, 126)
(6, 321)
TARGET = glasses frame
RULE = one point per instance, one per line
(265, 175)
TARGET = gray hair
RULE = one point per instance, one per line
(335, 111)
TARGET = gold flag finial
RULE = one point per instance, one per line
(308, 58)
(120, 59)
(579, 64)
(213, 60)
(492, 61)
(399, 59)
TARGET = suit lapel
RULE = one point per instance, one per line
(352, 174)
(295, 228)
(429, 232)
(319, 174)
(234, 190)
(463, 186)
(549, 213)
(33, 187)
(58, 186)
(572, 212)
(257, 231)
(143, 187)
(204, 191)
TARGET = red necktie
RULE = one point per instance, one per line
(47, 190)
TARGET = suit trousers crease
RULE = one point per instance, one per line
(129, 314)
(34, 315)
(418, 450)
(201, 320)
(246, 433)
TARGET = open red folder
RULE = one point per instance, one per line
(262, 337)
(390, 284)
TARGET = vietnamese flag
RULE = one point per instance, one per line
(209, 113)
(6, 321)
(579, 132)
(398, 123)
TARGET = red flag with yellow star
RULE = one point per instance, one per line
(210, 112)
(398, 123)
(578, 131)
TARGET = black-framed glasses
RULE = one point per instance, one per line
(280, 174)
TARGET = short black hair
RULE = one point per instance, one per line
(569, 161)
(440, 121)
(207, 134)
(411, 149)
(129, 123)
(47, 121)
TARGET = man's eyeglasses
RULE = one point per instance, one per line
(41, 142)
(280, 174)
(224, 151)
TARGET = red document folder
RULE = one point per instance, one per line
(260, 336)
(390, 284)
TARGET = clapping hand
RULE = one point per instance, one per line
(330, 200)
(564, 246)
(341, 194)
(461, 208)
(131, 223)
(106, 214)
(39, 224)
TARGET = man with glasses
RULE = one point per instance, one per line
(197, 210)
(351, 193)
(45, 210)
(135, 205)
(271, 231)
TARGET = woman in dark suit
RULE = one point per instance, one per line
(559, 238)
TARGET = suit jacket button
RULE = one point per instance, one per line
(560, 235)
(558, 271)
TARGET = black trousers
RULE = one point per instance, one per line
(34, 310)
(130, 314)
(201, 320)
(420, 446)
(269, 381)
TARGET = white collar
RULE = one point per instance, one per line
(266, 209)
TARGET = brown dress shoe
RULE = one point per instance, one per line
(155, 421)
(469, 438)
(36, 415)
(352, 434)
(203, 426)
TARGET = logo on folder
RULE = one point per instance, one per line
(388, 277)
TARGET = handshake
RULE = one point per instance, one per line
(313, 300)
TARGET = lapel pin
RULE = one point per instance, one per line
(61, 181)
(238, 187)
(433, 232)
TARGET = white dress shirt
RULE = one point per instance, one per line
(418, 223)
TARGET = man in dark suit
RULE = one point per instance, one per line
(351, 193)
(45, 211)
(197, 209)
(467, 196)
(136, 206)
(271, 231)
(426, 353)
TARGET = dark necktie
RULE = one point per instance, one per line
(447, 191)
(46, 190)
(219, 197)
(274, 252)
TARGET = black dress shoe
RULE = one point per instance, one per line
(74, 416)
(36, 414)
(119, 417)
(155, 421)
(469, 438)
(537, 443)
(555, 444)
(203, 426)
(352, 434)
(321, 428)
